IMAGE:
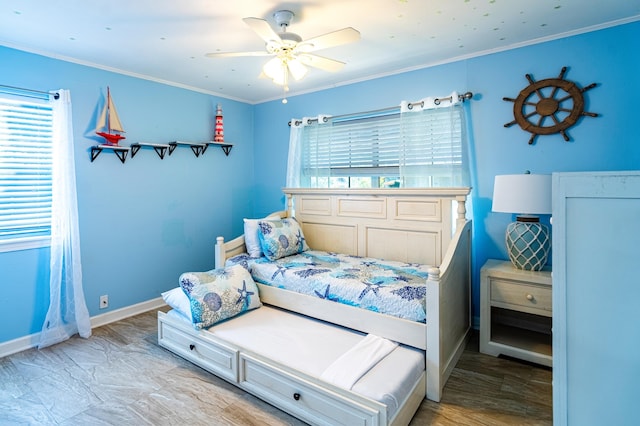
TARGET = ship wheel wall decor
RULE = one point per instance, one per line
(549, 106)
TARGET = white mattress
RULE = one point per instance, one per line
(310, 346)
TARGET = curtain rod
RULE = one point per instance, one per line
(56, 95)
(461, 98)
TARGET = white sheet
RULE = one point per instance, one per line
(357, 361)
(311, 346)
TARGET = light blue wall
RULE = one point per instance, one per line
(144, 222)
(609, 142)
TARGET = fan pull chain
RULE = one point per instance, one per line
(285, 86)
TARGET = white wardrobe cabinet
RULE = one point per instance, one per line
(596, 298)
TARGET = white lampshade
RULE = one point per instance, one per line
(523, 194)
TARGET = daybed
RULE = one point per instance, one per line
(283, 351)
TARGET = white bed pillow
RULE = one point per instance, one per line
(251, 239)
(178, 301)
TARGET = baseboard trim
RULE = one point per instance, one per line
(31, 341)
(126, 312)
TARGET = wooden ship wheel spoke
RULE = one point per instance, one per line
(532, 102)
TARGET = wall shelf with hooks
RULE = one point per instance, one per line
(226, 147)
(120, 151)
(199, 148)
(160, 148)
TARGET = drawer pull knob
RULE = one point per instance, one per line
(529, 296)
(192, 346)
(296, 396)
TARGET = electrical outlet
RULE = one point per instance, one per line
(104, 301)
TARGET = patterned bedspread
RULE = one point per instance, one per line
(388, 287)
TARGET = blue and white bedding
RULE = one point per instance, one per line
(383, 286)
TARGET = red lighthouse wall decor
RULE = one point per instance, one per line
(218, 133)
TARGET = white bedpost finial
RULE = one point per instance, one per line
(219, 255)
(434, 274)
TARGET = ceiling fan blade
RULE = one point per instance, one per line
(234, 54)
(320, 62)
(263, 29)
(335, 38)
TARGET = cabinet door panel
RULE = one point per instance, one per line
(596, 226)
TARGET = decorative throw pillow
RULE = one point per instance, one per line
(251, 239)
(280, 238)
(219, 294)
(178, 301)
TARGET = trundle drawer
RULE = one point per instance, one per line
(304, 399)
(211, 355)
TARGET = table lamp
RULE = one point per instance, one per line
(527, 195)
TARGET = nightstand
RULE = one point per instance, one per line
(515, 312)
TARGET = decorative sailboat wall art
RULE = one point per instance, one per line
(109, 125)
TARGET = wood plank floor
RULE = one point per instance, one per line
(120, 376)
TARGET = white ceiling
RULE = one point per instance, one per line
(166, 40)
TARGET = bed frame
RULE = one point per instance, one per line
(426, 226)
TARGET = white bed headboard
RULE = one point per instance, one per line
(405, 224)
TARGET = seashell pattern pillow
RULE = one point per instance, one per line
(281, 238)
(219, 294)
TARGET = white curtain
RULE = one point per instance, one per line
(295, 177)
(295, 146)
(434, 146)
(67, 314)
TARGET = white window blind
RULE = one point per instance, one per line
(26, 132)
(367, 146)
(424, 149)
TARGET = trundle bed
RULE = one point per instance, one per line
(335, 363)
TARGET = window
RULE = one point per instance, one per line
(426, 148)
(26, 139)
(361, 152)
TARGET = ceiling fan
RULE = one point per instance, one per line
(291, 53)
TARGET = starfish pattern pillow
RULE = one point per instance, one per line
(251, 239)
(281, 238)
(219, 294)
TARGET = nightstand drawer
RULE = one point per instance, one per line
(505, 293)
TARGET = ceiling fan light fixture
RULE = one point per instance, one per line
(297, 69)
(273, 68)
(273, 46)
(277, 70)
(281, 80)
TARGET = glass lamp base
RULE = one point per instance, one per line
(528, 244)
